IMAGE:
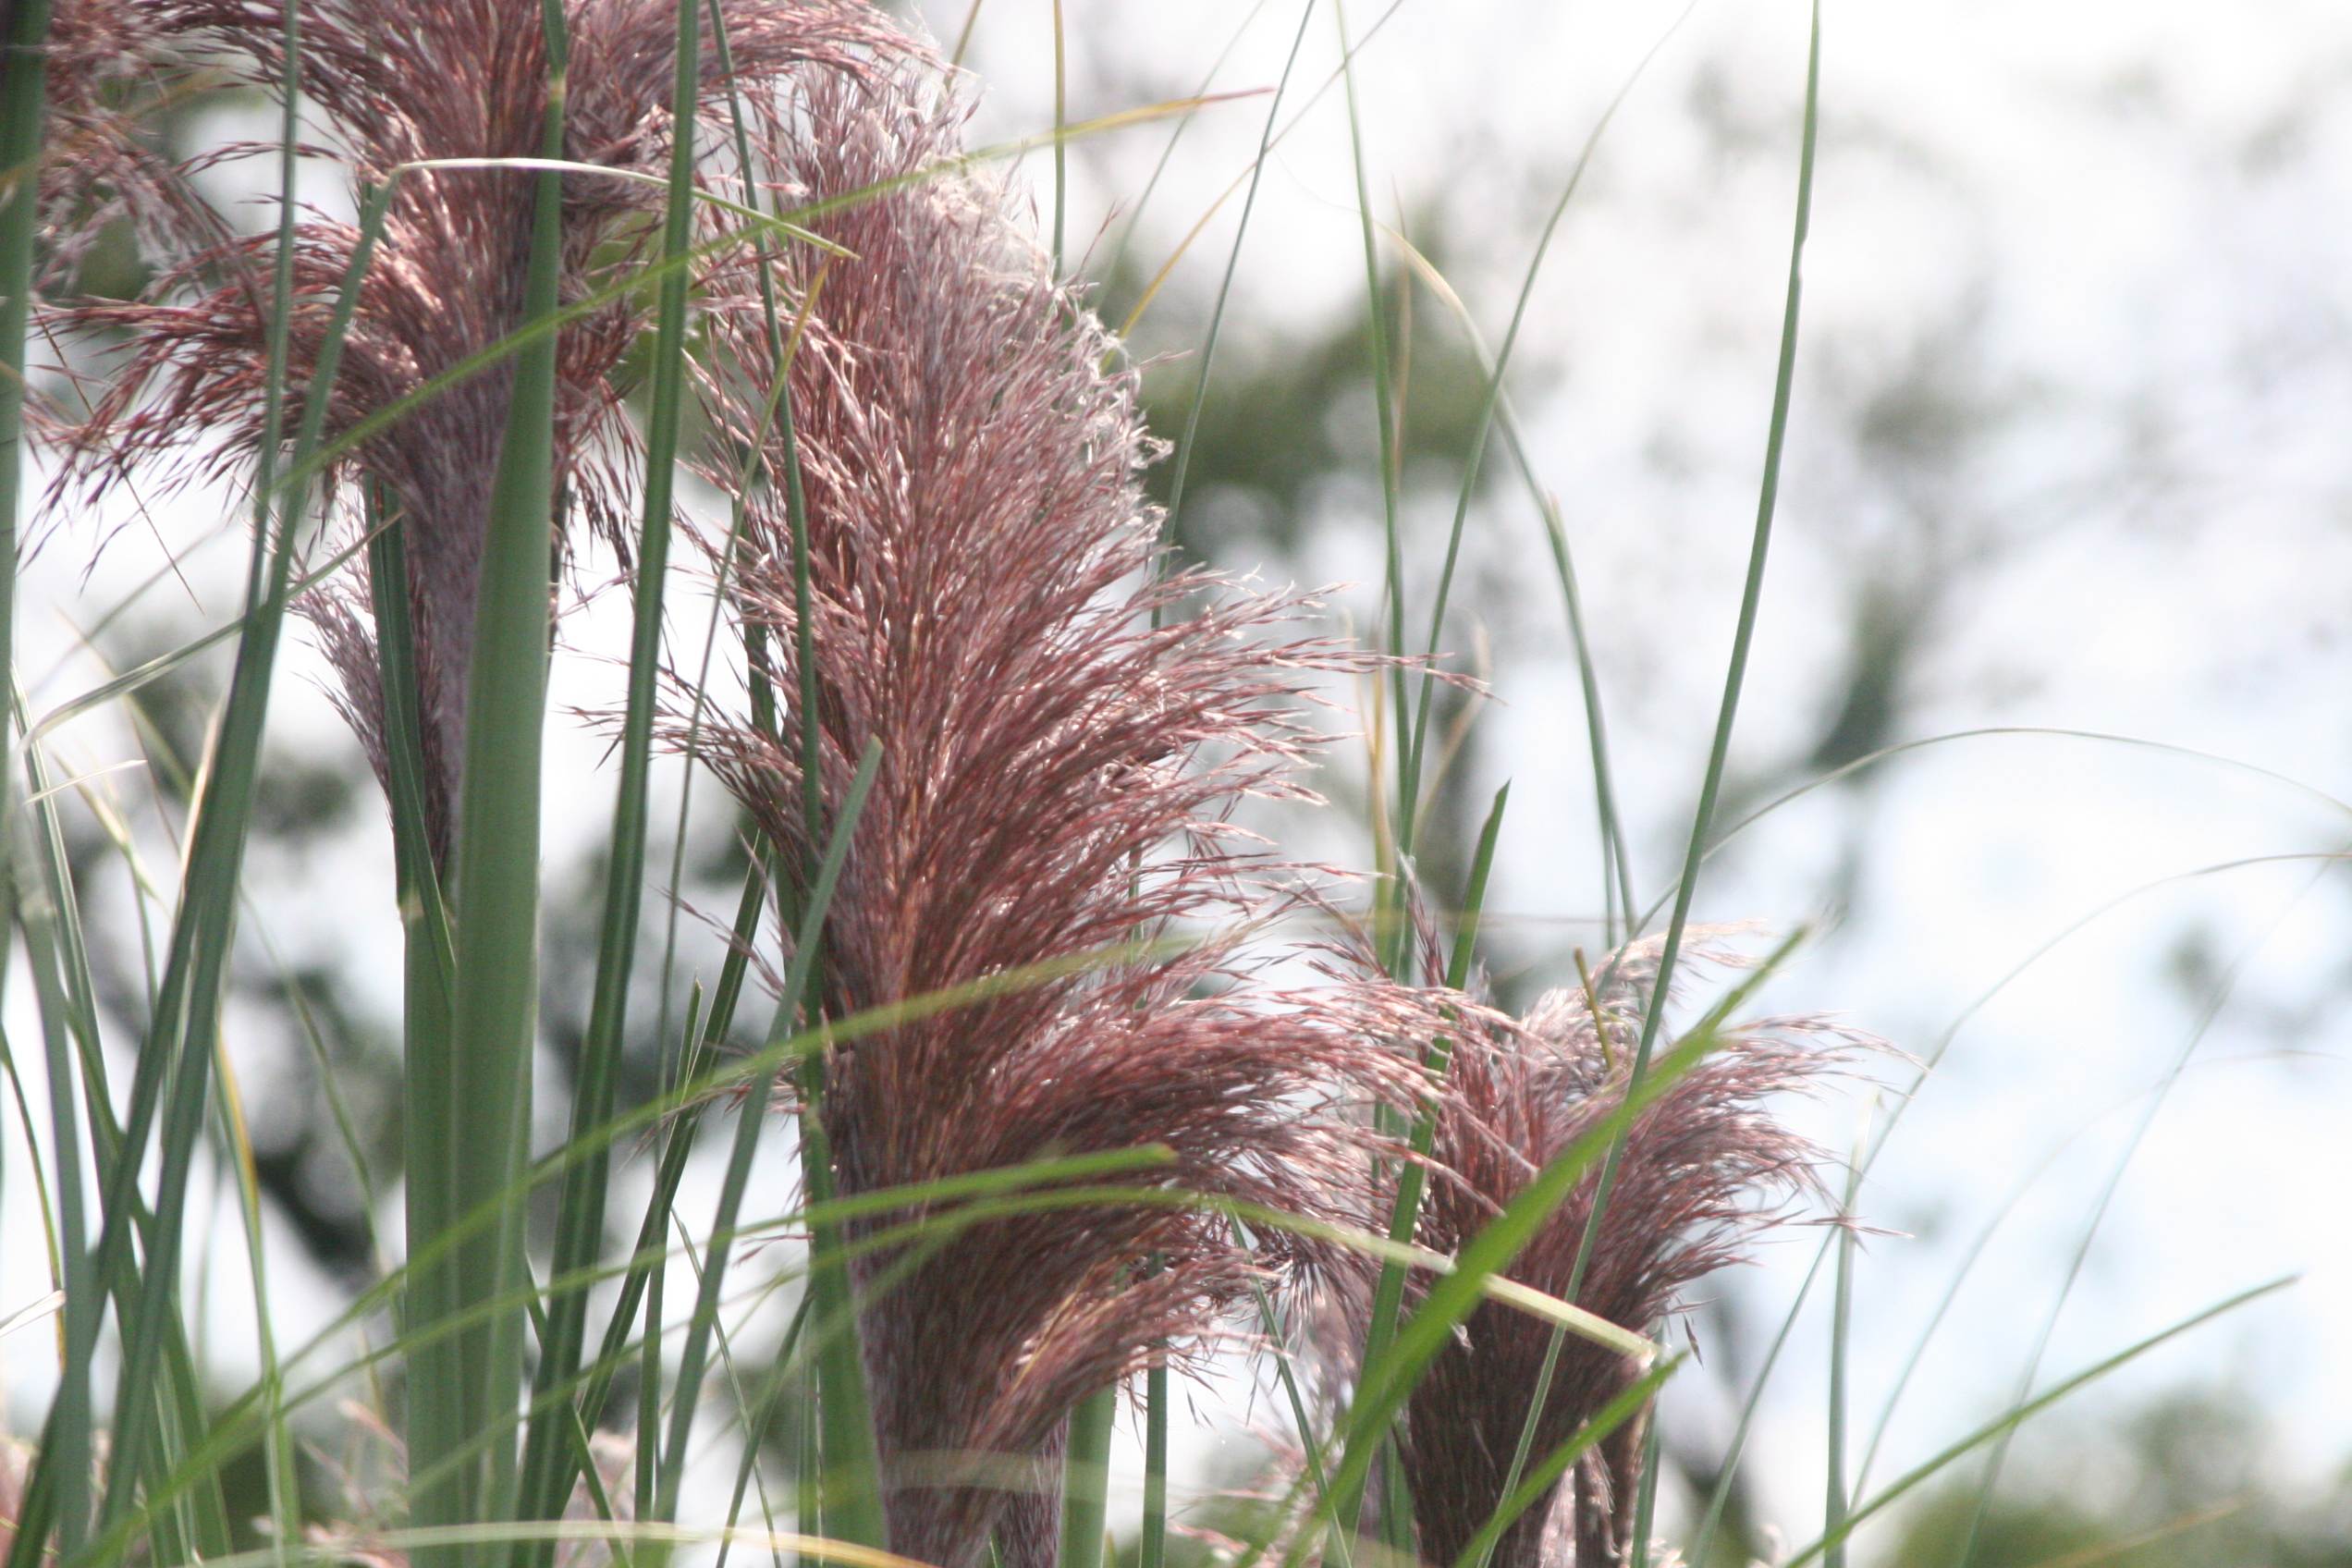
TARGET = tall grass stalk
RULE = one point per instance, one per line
(1837, 1499)
(1404, 1215)
(1062, 138)
(482, 1097)
(1183, 457)
(66, 997)
(1393, 930)
(1491, 404)
(67, 1436)
(1751, 597)
(281, 1468)
(23, 83)
(1085, 1487)
(1112, 268)
(1414, 729)
(580, 1226)
(858, 1503)
(1383, 402)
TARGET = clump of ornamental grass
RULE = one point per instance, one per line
(393, 85)
(1706, 1170)
(1064, 733)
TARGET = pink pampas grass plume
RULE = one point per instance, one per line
(391, 83)
(1057, 778)
(1706, 1170)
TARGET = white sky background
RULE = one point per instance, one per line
(2103, 248)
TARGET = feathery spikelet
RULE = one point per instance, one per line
(105, 63)
(1704, 1169)
(1056, 780)
(397, 83)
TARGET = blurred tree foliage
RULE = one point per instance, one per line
(2187, 1481)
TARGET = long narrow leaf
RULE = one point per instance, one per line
(484, 1089)
(1743, 638)
(580, 1224)
(1388, 1294)
(23, 86)
(739, 1170)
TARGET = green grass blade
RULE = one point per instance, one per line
(1338, 73)
(431, 955)
(1168, 152)
(193, 965)
(1474, 902)
(580, 1224)
(1061, 141)
(979, 1196)
(808, 1475)
(1383, 400)
(1302, 1423)
(842, 1455)
(1718, 1502)
(1085, 1481)
(2080, 1255)
(1961, 1270)
(460, 1385)
(1836, 1498)
(739, 499)
(281, 1470)
(1415, 735)
(728, 1365)
(429, 969)
(1393, 932)
(1617, 891)
(1225, 285)
(1751, 597)
(759, 1420)
(1646, 1501)
(1151, 1546)
(23, 89)
(1387, 1293)
(65, 1459)
(200, 1516)
(851, 1460)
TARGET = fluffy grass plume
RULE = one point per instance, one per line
(392, 85)
(1064, 735)
(1706, 1170)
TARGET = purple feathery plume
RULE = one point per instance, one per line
(109, 69)
(395, 85)
(1704, 1169)
(1057, 778)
